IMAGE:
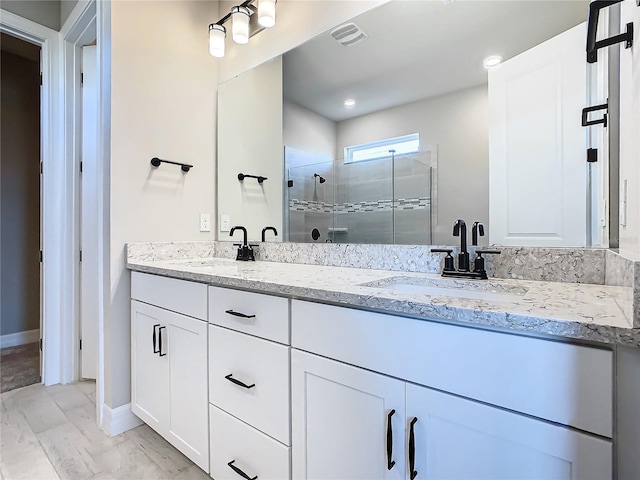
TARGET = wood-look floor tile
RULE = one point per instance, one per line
(192, 473)
(68, 451)
(126, 461)
(86, 386)
(68, 397)
(159, 450)
(22, 455)
(41, 412)
(84, 419)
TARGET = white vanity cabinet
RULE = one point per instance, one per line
(341, 406)
(169, 361)
(249, 385)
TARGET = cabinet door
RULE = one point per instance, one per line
(149, 371)
(340, 417)
(185, 345)
(461, 439)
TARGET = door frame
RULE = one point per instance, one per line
(89, 19)
(53, 207)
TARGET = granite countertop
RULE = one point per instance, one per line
(577, 311)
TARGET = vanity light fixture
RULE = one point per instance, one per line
(349, 103)
(242, 28)
(217, 34)
(240, 24)
(267, 13)
(492, 61)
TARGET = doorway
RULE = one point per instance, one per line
(20, 205)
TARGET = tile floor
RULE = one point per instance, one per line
(51, 433)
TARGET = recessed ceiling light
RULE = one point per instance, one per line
(492, 61)
(349, 103)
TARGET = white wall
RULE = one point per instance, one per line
(163, 104)
(250, 141)
(296, 22)
(629, 137)
(458, 124)
(307, 131)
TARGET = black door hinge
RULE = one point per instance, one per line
(592, 155)
(40, 256)
(40, 344)
(80, 344)
(41, 167)
(290, 183)
(80, 167)
(81, 255)
(82, 79)
(40, 78)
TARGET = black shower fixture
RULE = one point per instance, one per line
(322, 179)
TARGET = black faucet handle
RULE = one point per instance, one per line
(448, 259)
(488, 252)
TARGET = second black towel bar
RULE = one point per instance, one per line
(185, 167)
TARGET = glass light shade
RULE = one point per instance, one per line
(267, 13)
(217, 34)
(240, 24)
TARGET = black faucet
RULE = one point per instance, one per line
(264, 230)
(449, 270)
(478, 228)
(245, 251)
(460, 230)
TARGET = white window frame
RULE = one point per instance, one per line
(377, 147)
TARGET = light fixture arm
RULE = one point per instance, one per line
(224, 19)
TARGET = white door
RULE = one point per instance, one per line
(341, 418)
(149, 365)
(537, 146)
(89, 290)
(185, 346)
(460, 439)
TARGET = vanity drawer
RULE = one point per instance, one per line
(264, 316)
(259, 364)
(561, 382)
(251, 451)
(182, 296)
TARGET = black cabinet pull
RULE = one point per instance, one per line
(592, 44)
(240, 472)
(155, 350)
(238, 314)
(390, 463)
(160, 341)
(238, 382)
(412, 450)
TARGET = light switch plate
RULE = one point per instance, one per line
(225, 222)
(205, 222)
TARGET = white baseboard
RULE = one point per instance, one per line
(118, 420)
(19, 338)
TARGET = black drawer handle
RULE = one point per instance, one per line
(240, 472)
(412, 450)
(238, 382)
(390, 463)
(160, 341)
(238, 314)
(155, 350)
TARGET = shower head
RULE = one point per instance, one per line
(322, 179)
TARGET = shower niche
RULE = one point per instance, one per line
(389, 200)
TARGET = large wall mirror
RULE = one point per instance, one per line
(378, 131)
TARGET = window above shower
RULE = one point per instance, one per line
(404, 145)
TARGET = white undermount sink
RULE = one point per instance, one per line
(459, 288)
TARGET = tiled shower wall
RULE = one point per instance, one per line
(379, 201)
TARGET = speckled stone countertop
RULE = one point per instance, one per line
(597, 313)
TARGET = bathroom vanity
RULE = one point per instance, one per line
(273, 370)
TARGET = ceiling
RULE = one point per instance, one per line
(418, 49)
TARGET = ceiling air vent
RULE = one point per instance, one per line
(348, 34)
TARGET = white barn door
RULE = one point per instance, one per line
(538, 173)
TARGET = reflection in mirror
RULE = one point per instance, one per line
(418, 70)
